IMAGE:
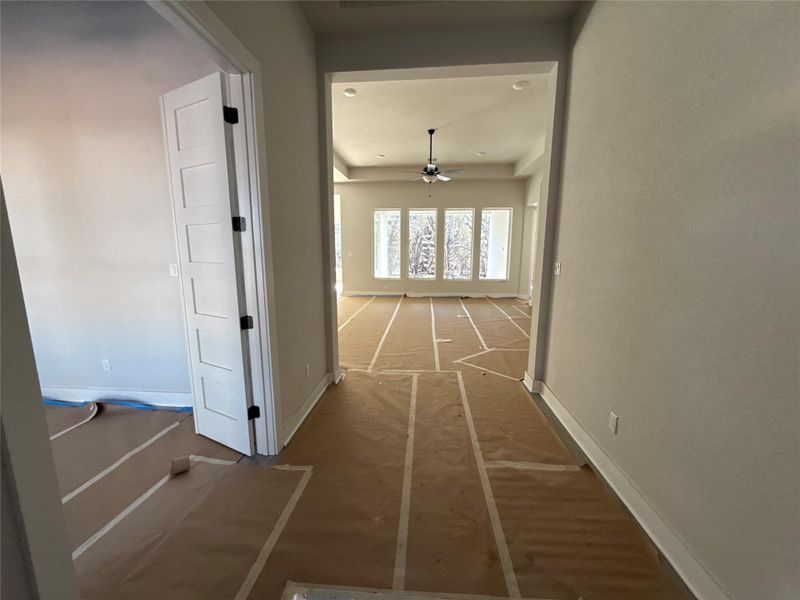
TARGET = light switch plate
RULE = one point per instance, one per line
(613, 422)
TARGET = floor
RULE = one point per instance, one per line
(428, 471)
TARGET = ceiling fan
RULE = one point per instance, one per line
(430, 172)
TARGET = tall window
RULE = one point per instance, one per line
(422, 244)
(386, 244)
(458, 243)
(495, 238)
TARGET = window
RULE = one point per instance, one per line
(495, 234)
(386, 244)
(458, 243)
(422, 244)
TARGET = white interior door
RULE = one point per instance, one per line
(199, 147)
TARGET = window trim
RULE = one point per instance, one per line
(510, 210)
(471, 277)
(435, 211)
(372, 250)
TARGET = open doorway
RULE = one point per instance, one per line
(128, 175)
(437, 177)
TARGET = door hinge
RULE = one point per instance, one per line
(239, 223)
(230, 114)
(253, 412)
(246, 322)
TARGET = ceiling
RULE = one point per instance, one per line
(470, 115)
(349, 16)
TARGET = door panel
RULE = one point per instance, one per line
(204, 199)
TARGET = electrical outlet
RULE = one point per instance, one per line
(173, 270)
(558, 268)
(613, 422)
(106, 364)
(308, 371)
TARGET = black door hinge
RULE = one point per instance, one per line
(253, 412)
(246, 322)
(239, 223)
(230, 114)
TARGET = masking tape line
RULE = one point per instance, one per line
(510, 464)
(526, 334)
(385, 334)
(272, 540)
(405, 501)
(84, 486)
(353, 316)
(487, 370)
(113, 523)
(92, 413)
(491, 506)
(433, 333)
(469, 316)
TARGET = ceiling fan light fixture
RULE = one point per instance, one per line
(429, 178)
(349, 92)
(521, 84)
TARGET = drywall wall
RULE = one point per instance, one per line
(36, 557)
(360, 199)
(527, 252)
(278, 36)
(678, 304)
(85, 176)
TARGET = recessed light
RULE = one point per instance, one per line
(520, 85)
(349, 92)
(481, 153)
(380, 156)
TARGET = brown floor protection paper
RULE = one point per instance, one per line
(510, 363)
(409, 342)
(84, 452)
(196, 537)
(516, 309)
(60, 418)
(349, 306)
(569, 538)
(457, 336)
(497, 330)
(344, 528)
(451, 545)
(360, 338)
(90, 510)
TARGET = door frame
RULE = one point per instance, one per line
(210, 35)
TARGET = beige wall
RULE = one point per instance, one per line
(359, 200)
(678, 306)
(278, 36)
(85, 176)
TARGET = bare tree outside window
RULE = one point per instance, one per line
(495, 239)
(458, 227)
(422, 244)
(386, 249)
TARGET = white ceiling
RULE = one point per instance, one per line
(470, 114)
(348, 16)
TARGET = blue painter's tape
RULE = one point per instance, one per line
(126, 403)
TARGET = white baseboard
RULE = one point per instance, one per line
(171, 399)
(301, 413)
(434, 294)
(693, 573)
(529, 383)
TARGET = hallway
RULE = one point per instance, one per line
(428, 469)
(431, 429)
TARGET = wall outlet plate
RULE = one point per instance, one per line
(557, 268)
(106, 364)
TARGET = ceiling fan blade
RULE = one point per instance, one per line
(416, 172)
(443, 177)
(416, 178)
(453, 171)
